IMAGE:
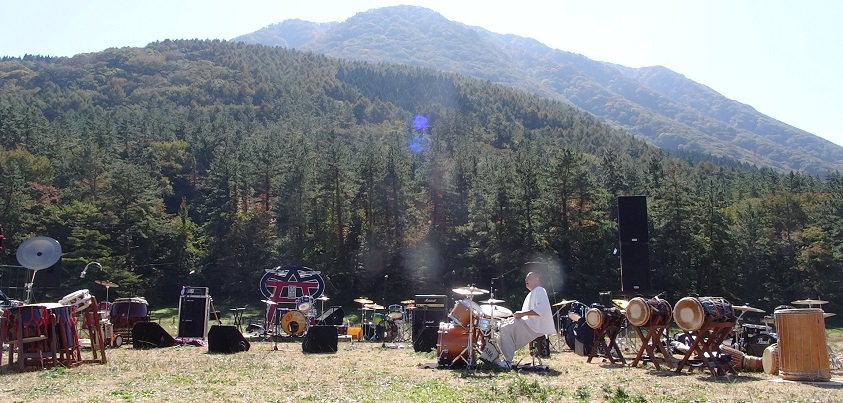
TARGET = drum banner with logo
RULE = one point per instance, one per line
(283, 285)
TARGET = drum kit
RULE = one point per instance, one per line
(389, 326)
(471, 330)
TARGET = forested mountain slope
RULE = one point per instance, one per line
(661, 106)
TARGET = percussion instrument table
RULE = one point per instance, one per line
(655, 334)
(610, 333)
(705, 342)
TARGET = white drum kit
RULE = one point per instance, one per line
(471, 331)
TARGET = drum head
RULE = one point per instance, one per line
(688, 313)
(638, 312)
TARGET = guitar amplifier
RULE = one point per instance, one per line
(429, 311)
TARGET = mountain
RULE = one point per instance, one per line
(656, 104)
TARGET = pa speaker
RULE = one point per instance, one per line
(635, 267)
(150, 335)
(320, 339)
(193, 316)
(332, 316)
(426, 327)
(632, 219)
(226, 339)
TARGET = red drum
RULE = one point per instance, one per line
(65, 325)
(690, 313)
(125, 312)
(452, 343)
(463, 312)
(33, 321)
(802, 350)
(641, 312)
(601, 318)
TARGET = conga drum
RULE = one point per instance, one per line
(770, 359)
(803, 354)
(690, 313)
(640, 311)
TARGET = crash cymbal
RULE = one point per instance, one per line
(323, 298)
(809, 302)
(408, 302)
(492, 301)
(268, 302)
(495, 311)
(374, 306)
(470, 290)
(747, 308)
(620, 303)
(828, 314)
(365, 309)
(363, 300)
(105, 283)
(564, 302)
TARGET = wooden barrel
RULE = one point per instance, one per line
(690, 313)
(803, 354)
(770, 359)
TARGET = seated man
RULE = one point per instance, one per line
(535, 319)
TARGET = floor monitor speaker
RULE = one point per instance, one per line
(226, 339)
(150, 335)
(320, 339)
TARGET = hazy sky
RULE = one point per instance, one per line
(784, 58)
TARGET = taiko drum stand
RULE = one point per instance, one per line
(607, 331)
(656, 330)
(706, 343)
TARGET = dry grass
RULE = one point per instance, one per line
(363, 371)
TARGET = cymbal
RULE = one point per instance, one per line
(374, 306)
(564, 302)
(828, 314)
(323, 298)
(620, 303)
(492, 301)
(470, 290)
(747, 308)
(363, 300)
(365, 309)
(809, 302)
(268, 302)
(495, 311)
(107, 284)
(408, 302)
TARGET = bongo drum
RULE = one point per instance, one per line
(802, 350)
(640, 312)
(770, 359)
(690, 313)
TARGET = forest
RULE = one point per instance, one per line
(207, 162)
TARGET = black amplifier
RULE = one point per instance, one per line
(431, 301)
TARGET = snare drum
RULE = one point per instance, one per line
(293, 323)
(78, 299)
(396, 312)
(304, 303)
(463, 312)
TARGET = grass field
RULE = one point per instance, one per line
(369, 372)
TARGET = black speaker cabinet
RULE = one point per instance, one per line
(193, 316)
(426, 327)
(632, 219)
(150, 335)
(320, 339)
(226, 339)
(635, 267)
(332, 316)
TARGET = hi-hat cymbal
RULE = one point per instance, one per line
(363, 300)
(492, 301)
(828, 314)
(374, 306)
(564, 302)
(747, 308)
(470, 290)
(809, 302)
(268, 302)
(408, 302)
(107, 284)
(495, 311)
(323, 298)
(620, 303)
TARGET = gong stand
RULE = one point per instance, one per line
(705, 342)
(655, 332)
(607, 332)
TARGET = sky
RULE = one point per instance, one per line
(782, 57)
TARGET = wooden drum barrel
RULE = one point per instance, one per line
(640, 311)
(690, 313)
(803, 354)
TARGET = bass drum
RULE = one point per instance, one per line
(451, 345)
(294, 323)
(756, 345)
